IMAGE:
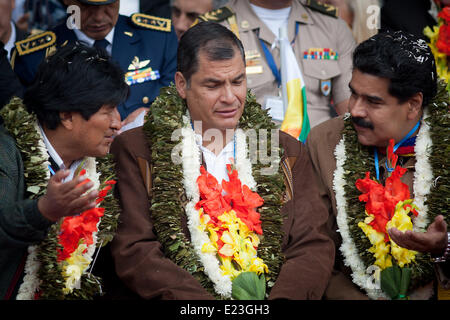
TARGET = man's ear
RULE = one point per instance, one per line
(66, 120)
(415, 105)
(181, 84)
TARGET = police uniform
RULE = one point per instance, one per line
(322, 44)
(144, 46)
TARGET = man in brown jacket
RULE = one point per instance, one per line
(148, 257)
(394, 87)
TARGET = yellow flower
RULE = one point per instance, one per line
(74, 268)
(238, 253)
(402, 221)
(380, 248)
(258, 266)
(227, 250)
(209, 247)
(228, 268)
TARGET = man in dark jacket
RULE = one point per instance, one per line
(53, 138)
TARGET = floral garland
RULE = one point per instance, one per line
(431, 187)
(52, 271)
(440, 44)
(168, 113)
(199, 228)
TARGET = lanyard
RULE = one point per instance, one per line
(270, 60)
(377, 169)
(51, 170)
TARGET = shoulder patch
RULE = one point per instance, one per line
(217, 15)
(35, 42)
(151, 22)
(324, 8)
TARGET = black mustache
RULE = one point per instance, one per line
(362, 123)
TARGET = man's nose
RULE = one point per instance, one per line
(116, 123)
(227, 96)
(357, 107)
(97, 13)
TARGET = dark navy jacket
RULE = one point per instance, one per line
(130, 41)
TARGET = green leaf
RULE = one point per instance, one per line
(395, 281)
(248, 286)
(404, 283)
(390, 281)
(79, 168)
(33, 189)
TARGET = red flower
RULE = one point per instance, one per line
(238, 198)
(391, 156)
(75, 229)
(445, 14)
(381, 200)
(443, 42)
(212, 201)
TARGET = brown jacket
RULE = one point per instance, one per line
(321, 143)
(139, 257)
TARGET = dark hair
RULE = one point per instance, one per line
(215, 40)
(76, 78)
(404, 59)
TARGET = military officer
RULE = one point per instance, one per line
(144, 46)
(321, 41)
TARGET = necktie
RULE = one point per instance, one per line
(101, 43)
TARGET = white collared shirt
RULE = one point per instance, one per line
(217, 165)
(58, 160)
(274, 19)
(90, 42)
(10, 44)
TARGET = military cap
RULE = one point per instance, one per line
(97, 2)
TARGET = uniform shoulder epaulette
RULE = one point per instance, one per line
(35, 42)
(324, 8)
(151, 22)
(217, 15)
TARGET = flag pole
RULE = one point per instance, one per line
(282, 37)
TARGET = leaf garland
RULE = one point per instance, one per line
(20, 124)
(360, 160)
(165, 117)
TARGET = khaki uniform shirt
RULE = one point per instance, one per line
(316, 31)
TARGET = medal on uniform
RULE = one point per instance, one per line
(253, 64)
(138, 72)
(320, 54)
(325, 87)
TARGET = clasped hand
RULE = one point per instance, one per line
(66, 198)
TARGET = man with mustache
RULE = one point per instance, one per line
(394, 87)
(144, 46)
(157, 251)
